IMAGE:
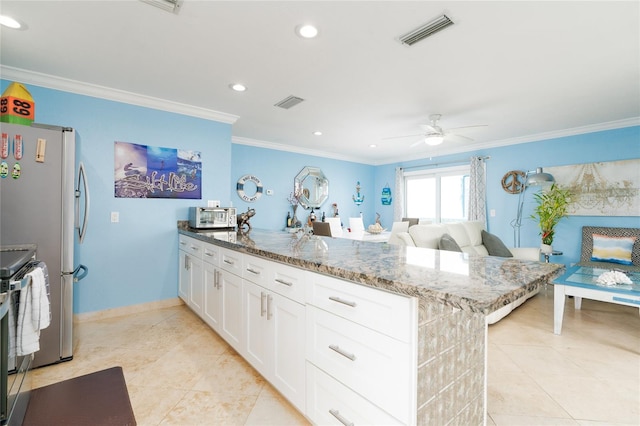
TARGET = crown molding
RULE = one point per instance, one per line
(102, 92)
(290, 148)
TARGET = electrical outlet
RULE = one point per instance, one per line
(492, 213)
(115, 217)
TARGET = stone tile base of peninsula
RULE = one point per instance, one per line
(451, 364)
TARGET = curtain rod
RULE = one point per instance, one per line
(443, 163)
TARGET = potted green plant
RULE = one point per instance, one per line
(551, 207)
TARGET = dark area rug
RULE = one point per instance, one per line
(96, 399)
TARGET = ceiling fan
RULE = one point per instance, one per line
(434, 134)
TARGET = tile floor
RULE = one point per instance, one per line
(179, 372)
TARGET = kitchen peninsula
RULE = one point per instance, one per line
(377, 333)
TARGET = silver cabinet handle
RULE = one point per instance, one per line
(186, 262)
(263, 296)
(216, 279)
(195, 248)
(253, 271)
(281, 281)
(344, 302)
(342, 352)
(183, 243)
(228, 262)
(206, 253)
(269, 313)
(341, 419)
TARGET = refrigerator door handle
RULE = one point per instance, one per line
(76, 273)
(82, 175)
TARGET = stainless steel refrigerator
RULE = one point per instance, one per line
(42, 195)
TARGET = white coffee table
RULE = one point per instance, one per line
(580, 281)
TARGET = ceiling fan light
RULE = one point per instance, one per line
(433, 140)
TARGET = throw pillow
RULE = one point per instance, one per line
(448, 243)
(612, 249)
(494, 245)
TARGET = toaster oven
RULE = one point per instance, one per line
(212, 217)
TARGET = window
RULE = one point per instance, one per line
(438, 195)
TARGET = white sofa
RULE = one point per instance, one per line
(468, 236)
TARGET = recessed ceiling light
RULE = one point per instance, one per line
(12, 23)
(306, 31)
(373, 145)
(317, 133)
(238, 87)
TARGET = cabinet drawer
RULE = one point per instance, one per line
(231, 261)
(282, 279)
(256, 269)
(191, 246)
(211, 254)
(331, 403)
(388, 313)
(379, 368)
(288, 281)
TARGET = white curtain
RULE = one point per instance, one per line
(398, 197)
(478, 190)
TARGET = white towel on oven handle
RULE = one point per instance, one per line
(33, 313)
(40, 300)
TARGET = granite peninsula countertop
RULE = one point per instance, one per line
(480, 284)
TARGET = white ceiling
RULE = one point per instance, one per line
(526, 69)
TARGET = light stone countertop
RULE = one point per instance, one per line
(473, 283)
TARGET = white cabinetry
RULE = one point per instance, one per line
(274, 325)
(230, 283)
(361, 346)
(191, 276)
(212, 303)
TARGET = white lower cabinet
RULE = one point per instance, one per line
(340, 352)
(231, 327)
(190, 287)
(363, 341)
(329, 402)
(274, 329)
(212, 303)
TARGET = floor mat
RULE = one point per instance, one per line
(96, 399)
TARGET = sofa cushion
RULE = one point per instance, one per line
(612, 249)
(494, 245)
(448, 243)
(427, 235)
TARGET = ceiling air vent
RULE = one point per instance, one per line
(168, 5)
(426, 30)
(289, 101)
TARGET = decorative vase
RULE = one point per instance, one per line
(546, 248)
(294, 219)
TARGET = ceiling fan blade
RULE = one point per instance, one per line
(429, 128)
(460, 138)
(468, 127)
(416, 143)
(398, 137)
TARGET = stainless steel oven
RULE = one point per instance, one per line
(15, 378)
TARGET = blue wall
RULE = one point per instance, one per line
(135, 261)
(277, 170)
(610, 145)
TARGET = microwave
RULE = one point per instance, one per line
(212, 217)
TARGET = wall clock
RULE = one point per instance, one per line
(241, 188)
(513, 181)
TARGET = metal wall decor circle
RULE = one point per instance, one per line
(241, 191)
(513, 181)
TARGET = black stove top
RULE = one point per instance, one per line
(12, 258)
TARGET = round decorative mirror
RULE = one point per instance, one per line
(313, 187)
